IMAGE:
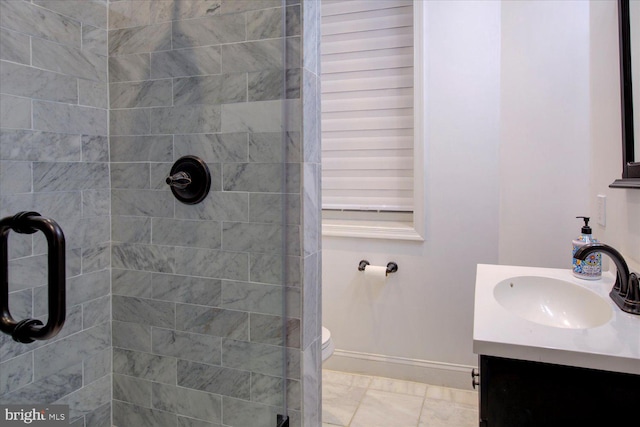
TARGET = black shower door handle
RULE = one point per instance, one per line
(28, 330)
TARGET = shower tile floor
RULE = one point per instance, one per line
(362, 401)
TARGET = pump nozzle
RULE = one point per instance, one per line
(586, 229)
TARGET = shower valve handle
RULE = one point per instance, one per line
(179, 180)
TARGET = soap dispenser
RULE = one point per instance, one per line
(590, 268)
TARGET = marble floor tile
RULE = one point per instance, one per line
(340, 402)
(341, 395)
(466, 398)
(383, 409)
(344, 378)
(440, 413)
(398, 386)
(351, 400)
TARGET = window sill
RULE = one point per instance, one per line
(392, 230)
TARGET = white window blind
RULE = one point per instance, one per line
(367, 105)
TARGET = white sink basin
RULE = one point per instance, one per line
(550, 316)
(552, 302)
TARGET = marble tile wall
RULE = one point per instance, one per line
(198, 290)
(54, 158)
(311, 205)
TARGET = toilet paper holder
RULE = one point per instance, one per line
(392, 267)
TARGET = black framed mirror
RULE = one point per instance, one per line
(629, 29)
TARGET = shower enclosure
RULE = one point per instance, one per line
(181, 315)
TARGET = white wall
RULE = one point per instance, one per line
(424, 311)
(622, 229)
(544, 146)
(511, 160)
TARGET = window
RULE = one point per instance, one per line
(368, 118)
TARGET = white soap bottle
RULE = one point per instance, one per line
(590, 268)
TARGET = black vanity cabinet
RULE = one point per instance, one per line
(518, 393)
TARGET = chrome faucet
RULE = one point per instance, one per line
(626, 291)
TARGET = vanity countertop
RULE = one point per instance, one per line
(613, 346)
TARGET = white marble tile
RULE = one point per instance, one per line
(358, 400)
(440, 413)
(383, 409)
(398, 386)
(69, 119)
(209, 31)
(344, 378)
(87, 12)
(33, 20)
(339, 402)
(150, 38)
(68, 60)
(129, 14)
(15, 47)
(186, 62)
(15, 112)
(29, 82)
(466, 398)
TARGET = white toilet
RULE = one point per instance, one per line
(327, 344)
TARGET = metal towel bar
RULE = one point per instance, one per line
(28, 330)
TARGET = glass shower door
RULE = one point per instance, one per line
(176, 314)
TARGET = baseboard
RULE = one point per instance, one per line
(402, 368)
